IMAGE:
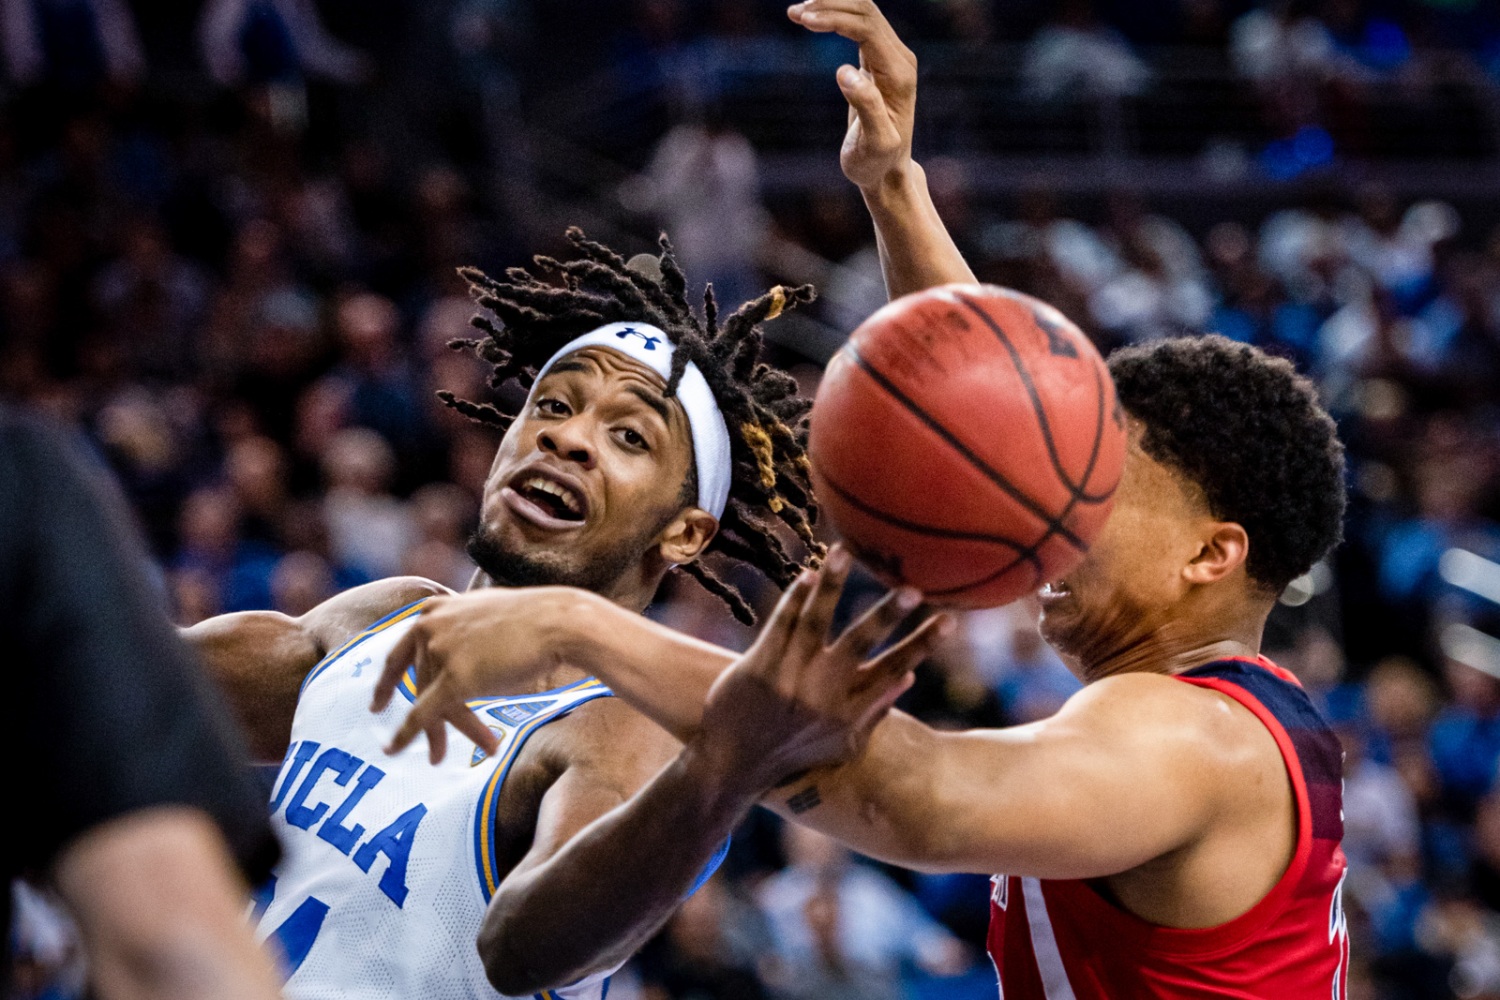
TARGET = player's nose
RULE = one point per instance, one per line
(568, 439)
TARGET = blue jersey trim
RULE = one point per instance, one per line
(712, 866)
(358, 638)
(408, 689)
(486, 863)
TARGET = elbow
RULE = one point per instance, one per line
(502, 967)
(512, 967)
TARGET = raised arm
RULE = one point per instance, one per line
(260, 658)
(916, 251)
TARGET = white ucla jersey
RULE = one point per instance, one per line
(390, 862)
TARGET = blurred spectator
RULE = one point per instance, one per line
(704, 183)
(1031, 681)
(1078, 55)
(152, 300)
(369, 529)
(443, 516)
(273, 41)
(1382, 838)
(710, 949)
(841, 929)
(1280, 42)
(375, 376)
(76, 44)
(1466, 737)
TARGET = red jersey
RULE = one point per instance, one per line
(1059, 939)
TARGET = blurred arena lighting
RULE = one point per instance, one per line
(1469, 646)
(1471, 572)
(1309, 585)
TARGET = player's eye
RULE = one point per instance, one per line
(552, 407)
(633, 438)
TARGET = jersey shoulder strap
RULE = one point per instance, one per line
(513, 720)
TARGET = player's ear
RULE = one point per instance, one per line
(688, 534)
(1222, 551)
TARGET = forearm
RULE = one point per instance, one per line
(661, 673)
(161, 910)
(916, 251)
(598, 900)
(880, 803)
(886, 803)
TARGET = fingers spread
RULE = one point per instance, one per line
(395, 665)
(437, 740)
(771, 644)
(817, 612)
(906, 654)
(466, 722)
(880, 698)
(876, 624)
(414, 723)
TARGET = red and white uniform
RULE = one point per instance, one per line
(1059, 939)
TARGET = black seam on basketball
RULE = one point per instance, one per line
(1054, 525)
(1088, 470)
(1023, 552)
(1036, 404)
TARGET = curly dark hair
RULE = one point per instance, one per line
(1251, 433)
(767, 419)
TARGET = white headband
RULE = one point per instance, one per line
(650, 346)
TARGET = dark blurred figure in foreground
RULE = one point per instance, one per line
(139, 809)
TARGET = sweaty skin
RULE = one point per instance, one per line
(1174, 797)
(598, 422)
(1199, 843)
(590, 422)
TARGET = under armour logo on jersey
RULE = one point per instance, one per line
(631, 331)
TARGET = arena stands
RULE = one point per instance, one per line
(228, 235)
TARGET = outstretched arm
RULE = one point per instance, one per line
(1024, 800)
(581, 902)
(916, 251)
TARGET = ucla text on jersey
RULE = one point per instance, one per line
(390, 861)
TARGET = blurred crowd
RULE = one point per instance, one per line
(227, 249)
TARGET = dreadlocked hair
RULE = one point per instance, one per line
(542, 309)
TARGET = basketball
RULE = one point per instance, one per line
(966, 441)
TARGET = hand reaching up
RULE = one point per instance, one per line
(882, 91)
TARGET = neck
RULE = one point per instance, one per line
(1179, 644)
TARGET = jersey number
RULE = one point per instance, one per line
(298, 931)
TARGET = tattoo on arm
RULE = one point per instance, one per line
(805, 800)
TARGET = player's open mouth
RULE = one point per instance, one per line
(547, 501)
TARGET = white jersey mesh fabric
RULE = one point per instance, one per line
(388, 862)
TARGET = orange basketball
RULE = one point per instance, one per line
(967, 441)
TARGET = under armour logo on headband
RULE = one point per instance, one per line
(651, 342)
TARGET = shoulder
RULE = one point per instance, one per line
(345, 615)
(1177, 720)
(607, 739)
